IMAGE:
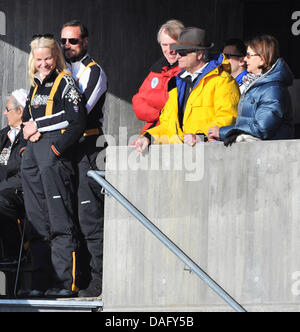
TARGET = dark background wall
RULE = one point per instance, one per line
(275, 17)
(123, 37)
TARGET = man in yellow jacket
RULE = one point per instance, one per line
(204, 95)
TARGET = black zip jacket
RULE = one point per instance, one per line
(93, 85)
(13, 167)
(67, 101)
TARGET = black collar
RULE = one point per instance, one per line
(160, 64)
(50, 78)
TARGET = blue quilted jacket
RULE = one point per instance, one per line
(265, 108)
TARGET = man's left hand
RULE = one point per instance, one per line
(190, 139)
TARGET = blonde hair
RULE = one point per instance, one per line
(172, 28)
(54, 46)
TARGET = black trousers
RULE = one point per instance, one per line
(48, 185)
(90, 213)
(11, 209)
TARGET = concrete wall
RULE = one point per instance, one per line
(238, 217)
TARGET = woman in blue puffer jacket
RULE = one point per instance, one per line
(265, 108)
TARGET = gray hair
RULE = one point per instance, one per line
(172, 28)
(14, 101)
(205, 55)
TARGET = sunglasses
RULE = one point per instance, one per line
(46, 35)
(72, 41)
(229, 56)
(184, 52)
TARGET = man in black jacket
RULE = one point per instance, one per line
(92, 82)
(12, 145)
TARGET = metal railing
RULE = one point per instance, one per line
(99, 178)
(50, 306)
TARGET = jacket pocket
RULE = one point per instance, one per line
(198, 118)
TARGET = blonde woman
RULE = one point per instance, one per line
(47, 170)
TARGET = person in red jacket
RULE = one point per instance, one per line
(154, 92)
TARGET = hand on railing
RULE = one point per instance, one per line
(214, 134)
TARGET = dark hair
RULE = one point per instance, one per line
(239, 45)
(268, 48)
(75, 23)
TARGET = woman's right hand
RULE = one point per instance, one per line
(35, 137)
(214, 134)
(30, 129)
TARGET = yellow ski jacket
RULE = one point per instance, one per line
(213, 102)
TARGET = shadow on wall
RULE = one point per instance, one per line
(122, 39)
(122, 32)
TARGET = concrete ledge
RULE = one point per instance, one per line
(240, 221)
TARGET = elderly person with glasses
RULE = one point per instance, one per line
(265, 109)
(11, 199)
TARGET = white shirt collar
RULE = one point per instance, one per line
(195, 74)
(13, 133)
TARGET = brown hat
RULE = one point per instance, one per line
(192, 39)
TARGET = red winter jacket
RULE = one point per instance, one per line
(154, 93)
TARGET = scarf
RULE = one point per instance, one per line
(249, 79)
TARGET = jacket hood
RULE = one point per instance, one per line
(219, 60)
(216, 61)
(280, 72)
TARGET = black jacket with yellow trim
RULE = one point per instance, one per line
(68, 108)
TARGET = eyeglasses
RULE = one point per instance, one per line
(248, 55)
(46, 35)
(72, 41)
(228, 56)
(9, 109)
(184, 52)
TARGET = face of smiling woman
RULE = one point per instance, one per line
(44, 61)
